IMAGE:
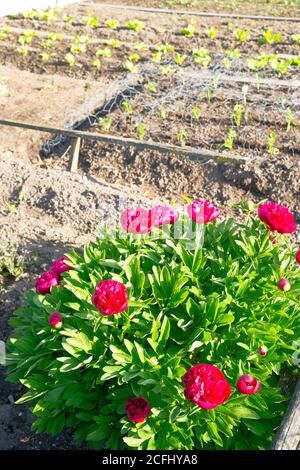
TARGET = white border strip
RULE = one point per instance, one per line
(21, 6)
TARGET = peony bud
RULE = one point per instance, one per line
(47, 280)
(247, 384)
(284, 284)
(55, 320)
(59, 266)
(250, 206)
(137, 409)
(263, 350)
(298, 256)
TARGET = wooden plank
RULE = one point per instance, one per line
(74, 154)
(191, 13)
(288, 434)
(189, 152)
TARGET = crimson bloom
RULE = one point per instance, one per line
(59, 266)
(137, 409)
(247, 384)
(206, 386)
(163, 215)
(202, 212)
(276, 217)
(55, 320)
(110, 297)
(136, 220)
(298, 256)
(47, 280)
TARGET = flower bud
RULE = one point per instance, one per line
(284, 284)
(263, 350)
(247, 384)
(55, 320)
(298, 256)
(250, 206)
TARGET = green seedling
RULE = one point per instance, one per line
(105, 123)
(130, 66)
(242, 34)
(237, 114)
(151, 86)
(196, 113)
(114, 43)
(271, 144)
(228, 144)
(140, 131)
(103, 52)
(179, 58)
(269, 37)
(91, 21)
(127, 106)
(135, 25)
(188, 31)
(212, 32)
(112, 24)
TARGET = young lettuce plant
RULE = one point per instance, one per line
(151, 86)
(103, 52)
(140, 46)
(105, 123)
(271, 144)
(228, 144)
(140, 131)
(188, 30)
(179, 58)
(196, 114)
(202, 57)
(212, 32)
(91, 21)
(135, 25)
(290, 119)
(4, 33)
(182, 136)
(114, 43)
(96, 63)
(237, 114)
(127, 107)
(242, 35)
(269, 37)
(130, 66)
(112, 23)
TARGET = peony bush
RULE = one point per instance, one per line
(171, 332)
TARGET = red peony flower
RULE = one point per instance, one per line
(276, 217)
(55, 320)
(137, 409)
(206, 386)
(263, 350)
(298, 256)
(59, 266)
(47, 280)
(284, 284)
(163, 215)
(202, 212)
(110, 297)
(136, 220)
(248, 384)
